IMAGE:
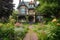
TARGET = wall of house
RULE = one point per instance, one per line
(31, 12)
(26, 10)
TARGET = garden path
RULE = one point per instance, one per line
(31, 35)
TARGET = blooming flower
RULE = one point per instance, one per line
(1, 24)
(54, 20)
(17, 24)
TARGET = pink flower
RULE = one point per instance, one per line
(17, 24)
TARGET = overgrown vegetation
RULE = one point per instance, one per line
(49, 8)
(10, 32)
(50, 30)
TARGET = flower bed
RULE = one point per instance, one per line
(9, 32)
(49, 31)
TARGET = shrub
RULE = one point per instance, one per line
(20, 32)
(49, 31)
(6, 33)
(57, 37)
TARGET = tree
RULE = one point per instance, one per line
(6, 8)
(49, 8)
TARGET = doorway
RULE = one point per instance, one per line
(22, 18)
(30, 18)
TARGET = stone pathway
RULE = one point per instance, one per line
(31, 35)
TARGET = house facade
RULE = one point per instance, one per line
(26, 11)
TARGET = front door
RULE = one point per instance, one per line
(31, 18)
(22, 18)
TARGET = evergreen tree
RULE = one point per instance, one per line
(6, 8)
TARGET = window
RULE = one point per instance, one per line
(22, 10)
(31, 5)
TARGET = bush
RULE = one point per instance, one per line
(20, 32)
(6, 32)
(10, 32)
(50, 31)
(57, 37)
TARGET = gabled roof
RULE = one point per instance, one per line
(21, 4)
(25, 4)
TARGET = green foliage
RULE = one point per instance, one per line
(9, 32)
(57, 37)
(49, 31)
(6, 32)
(6, 8)
(20, 32)
(15, 14)
(49, 7)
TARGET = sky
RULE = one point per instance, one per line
(16, 2)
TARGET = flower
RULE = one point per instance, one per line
(17, 24)
(12, 20)
(1, 24)
(54, 20)
(8, 25)
(58, 24)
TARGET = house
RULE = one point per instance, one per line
(26, 11)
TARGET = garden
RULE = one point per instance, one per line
(49, 29)
(18, 31)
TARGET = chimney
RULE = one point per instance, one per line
(19, 0)
(33, 1)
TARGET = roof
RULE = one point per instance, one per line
(21, 4)
(25, 4)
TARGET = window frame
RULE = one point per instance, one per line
(21, 11)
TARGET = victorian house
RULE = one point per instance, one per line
(26, 11)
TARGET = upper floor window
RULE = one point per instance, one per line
(22, 10)
(31, 5)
